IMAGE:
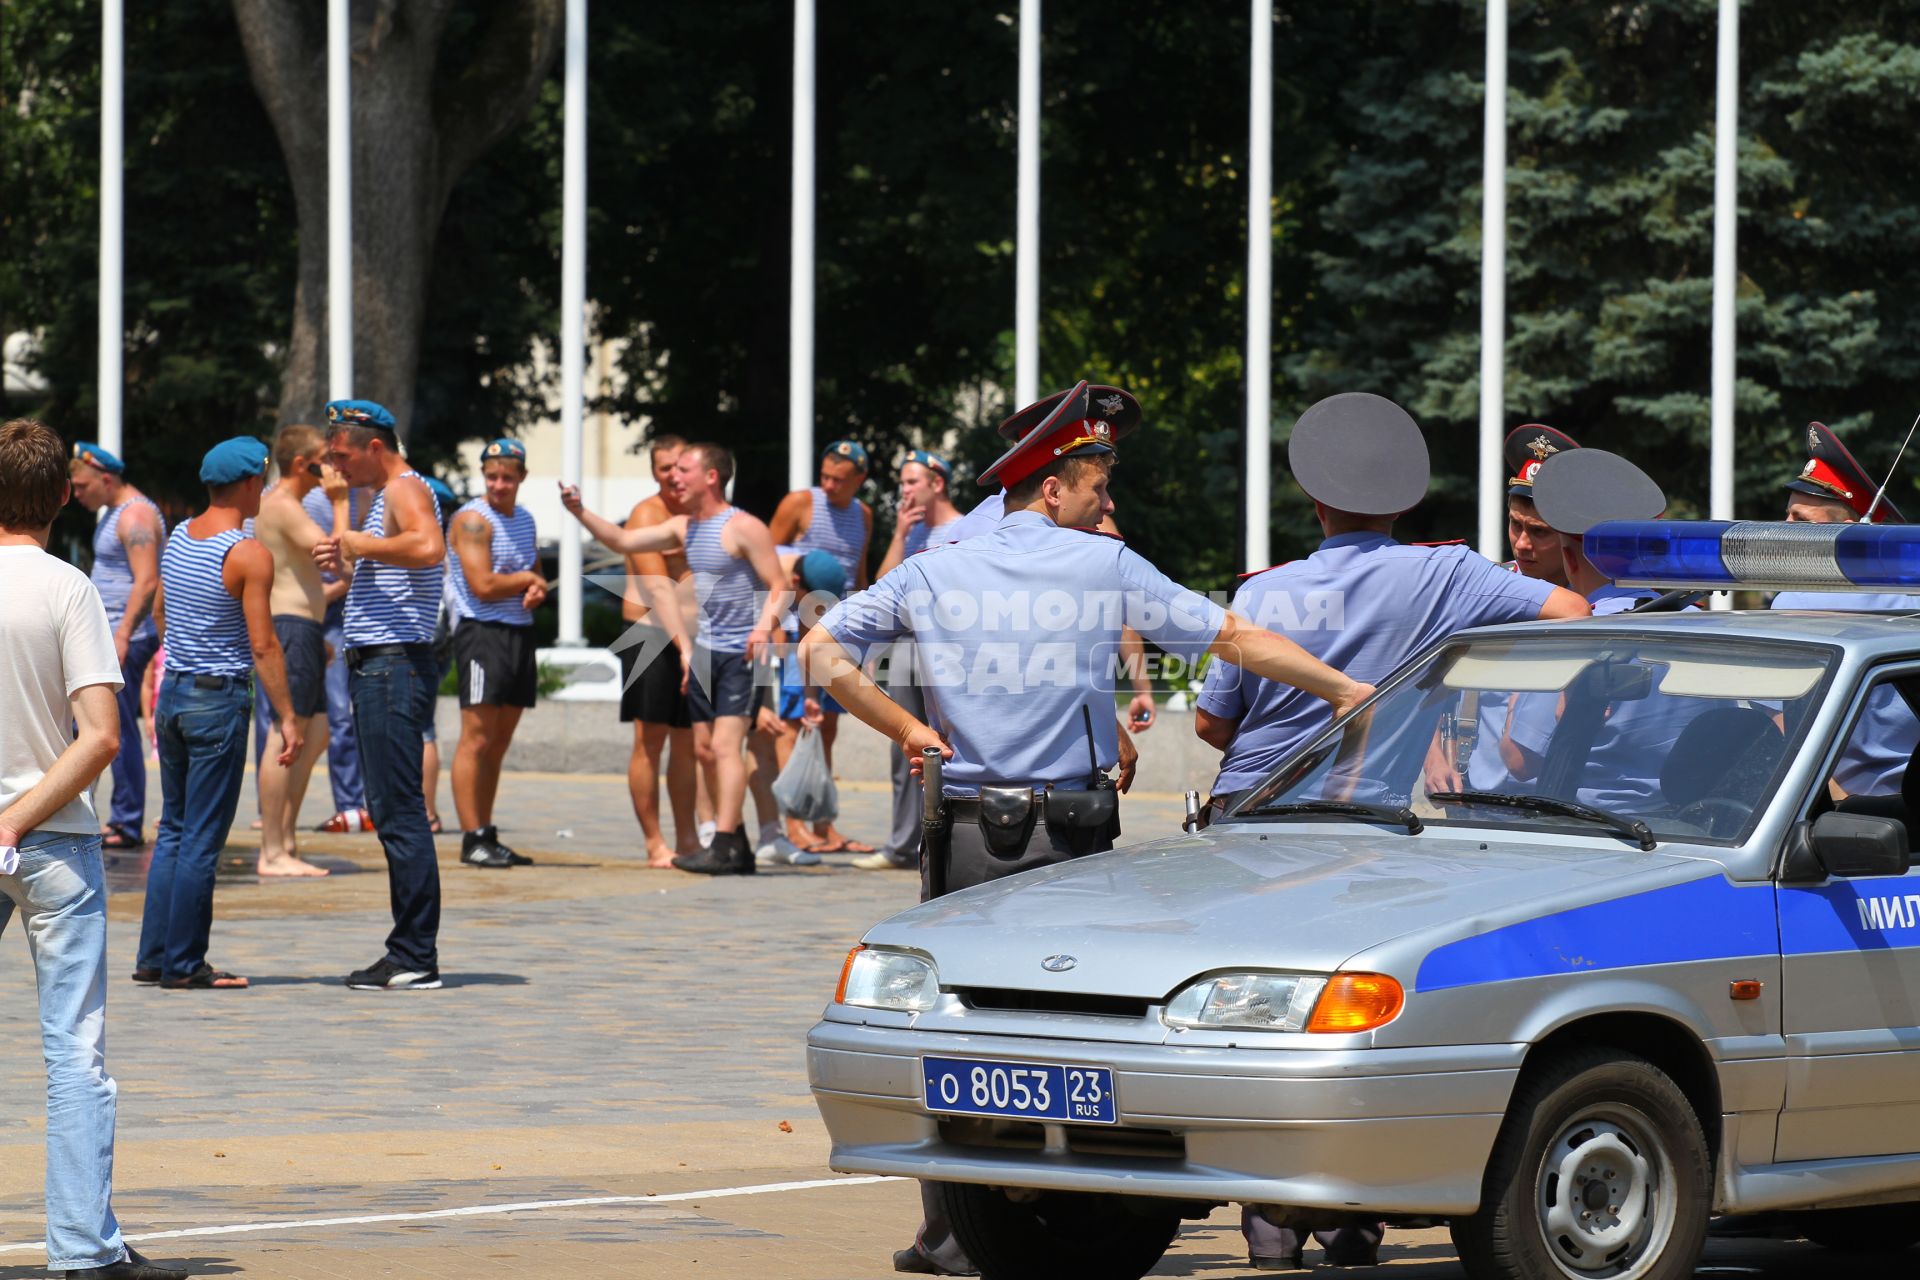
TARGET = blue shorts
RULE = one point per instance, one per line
(793, 693)
(721, 685)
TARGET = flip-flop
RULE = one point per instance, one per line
(826, 846)
(205, 978)
(120, 836)
(855, 846)
(433, 825)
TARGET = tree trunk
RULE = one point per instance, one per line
(417, 127)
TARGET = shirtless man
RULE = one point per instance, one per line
(299, 603)
(654, 699)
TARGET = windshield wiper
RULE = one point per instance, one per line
(1628, 828)
(1397, 815)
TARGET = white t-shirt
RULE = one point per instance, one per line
(54, 640)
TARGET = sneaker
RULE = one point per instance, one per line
(385, 975)
(881, 860)
(728, 855)
(780, 851)
(514, 856)
(477, 849)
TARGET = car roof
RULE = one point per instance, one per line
(1865, 636)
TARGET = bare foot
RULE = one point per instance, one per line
(659, 854)
(289, 865)
(257, 824)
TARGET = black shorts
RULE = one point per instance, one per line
(303, 644)
(721, 685)
(495, 663)
(653, 696)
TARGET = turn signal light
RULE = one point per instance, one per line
(840, 991)
(1357, 1002)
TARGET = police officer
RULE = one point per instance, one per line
(1012, 632)
(1363, 601)
(1536, 549)
(1834, 488)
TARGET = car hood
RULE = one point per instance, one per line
(1143, 920)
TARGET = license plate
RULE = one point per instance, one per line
(1019, 1090)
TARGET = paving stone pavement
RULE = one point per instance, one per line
(606, 1031)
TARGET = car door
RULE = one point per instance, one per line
(1850, 963)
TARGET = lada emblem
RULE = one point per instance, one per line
(1058, 964)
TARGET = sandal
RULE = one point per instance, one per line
(121, 836)
(849, 845)
(433, 825)
(205, 978)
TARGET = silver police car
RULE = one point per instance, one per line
(1577, 935)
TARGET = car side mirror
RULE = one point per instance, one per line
(1858, 844)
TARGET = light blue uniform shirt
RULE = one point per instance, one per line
(979, 520)
(1364, 604)
(1883, 740)
(1016, 644)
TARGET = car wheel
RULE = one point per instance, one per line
(1875, 1229)
(1057, 1233)
(1601, 1172)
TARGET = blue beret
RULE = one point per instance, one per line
(233, 460)
(932, 461)
(92, 454)
(359, 413)
(444, 492)
(848, 451)
(822, 571)
(504, 448)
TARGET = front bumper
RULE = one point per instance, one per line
(1389, 1130)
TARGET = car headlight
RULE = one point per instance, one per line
(877, 979)
(1342, 1004)
(1247, 1001)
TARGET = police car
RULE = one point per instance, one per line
(1656, 964)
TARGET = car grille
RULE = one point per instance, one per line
(1011, 1000)
(1085, 1140)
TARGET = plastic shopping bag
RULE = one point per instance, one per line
(805, 787)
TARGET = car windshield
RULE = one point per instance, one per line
(1637, 736)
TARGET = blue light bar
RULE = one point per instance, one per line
(1756, 554)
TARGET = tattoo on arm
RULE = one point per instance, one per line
(138, 538)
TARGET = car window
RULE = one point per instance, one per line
(1869, 773)
(1686, 734)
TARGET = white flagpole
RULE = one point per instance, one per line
(339, 201)
(1026, 240)
(113, 58)
(573, 307)
(1726, 220)
(1493, 288)
(800, 459)
(1258, 481)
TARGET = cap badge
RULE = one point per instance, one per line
(1528, 472)
(1541, 448)
(1110, 404)
(1102, 431)
(1813, 440)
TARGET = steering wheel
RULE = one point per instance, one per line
(1716, 815)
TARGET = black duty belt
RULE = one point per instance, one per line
(1054, 807)
(208, 682)
(360, 653)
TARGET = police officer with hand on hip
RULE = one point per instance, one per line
(1013, 634)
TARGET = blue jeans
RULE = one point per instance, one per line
(393, 699)
(60, 893)
(203, 756)
(130, 766)
(343, 746)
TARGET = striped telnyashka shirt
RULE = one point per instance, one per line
(515, 550)
(112, 574)
(723, 584)
(388, 604)
(841, 531)
(206, 632)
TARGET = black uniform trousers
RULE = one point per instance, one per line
(968, 862)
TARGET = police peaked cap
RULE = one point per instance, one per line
(1117, 408)
(1834, 473)
(1576, 489)
(1526, 448)
(1359, 453)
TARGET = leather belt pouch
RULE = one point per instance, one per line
(1082, 809)
(1007, 816)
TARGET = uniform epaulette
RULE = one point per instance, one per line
(1444, 542)
(1254, 573)
(1087, 528)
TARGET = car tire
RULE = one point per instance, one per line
(1879, 1229)
(1058, 1233)
(1622, 1132)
